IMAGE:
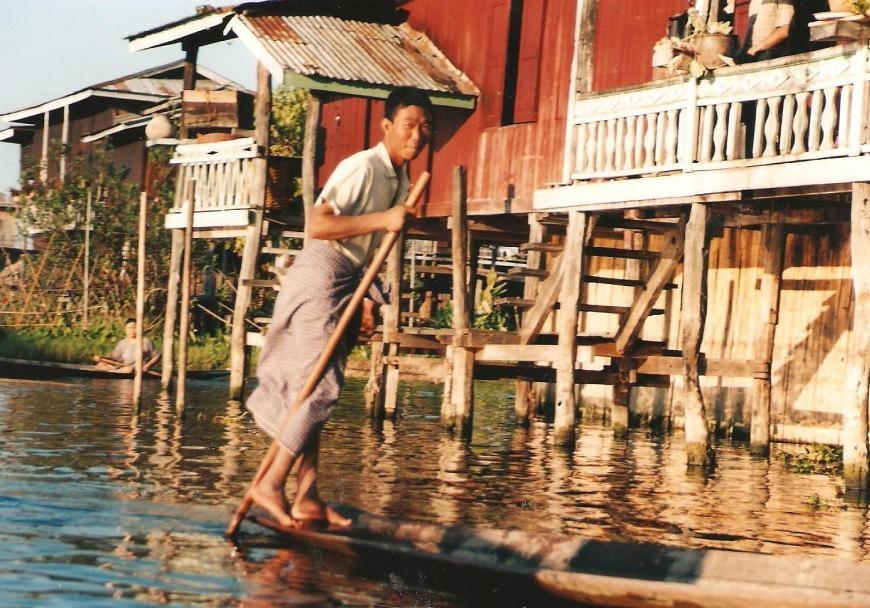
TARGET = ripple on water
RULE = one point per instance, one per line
(99, 505)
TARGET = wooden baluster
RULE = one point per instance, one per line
(845, 112)
(720, 132)
(591, 147)
(734, 145)
(682, 125)
(639, 131)
(671, 138)
(649, 141)
(619, 149)
(815, 121)
(630, 131)
(829, 118)
(705, 147)
(786, 125)
(758, 132)
(601, 145)
(771, 126)
(660, 139)
(800, 123)
(580, 159)
(610, 145)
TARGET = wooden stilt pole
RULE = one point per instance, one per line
(772, 250)
(392, 323)
(694, 310)
(140, 299)
(184, 321)
(253, 234)
(569, 299)
(326, 355)
(855, 451)
(463, 358)
(374, 393)
(526, 396)
(447, 413)
(171, 316)
(309, 155)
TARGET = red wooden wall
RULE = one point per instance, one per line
(504, 162)
(625, 31)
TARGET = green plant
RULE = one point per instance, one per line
(817, 503)
(487, 315)
(861, 7)
(815, 459)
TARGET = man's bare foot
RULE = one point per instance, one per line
(275, 502)
(308, 510)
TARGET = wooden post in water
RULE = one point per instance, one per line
(140, 299)
(171, 315)
(855, 452)
(569, 299)
(772, 250)
(253, 234)
(184, 321)
(462, 389)
(392, 323)
(525, 394)
(694, 311)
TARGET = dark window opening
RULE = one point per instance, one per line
(522, 67)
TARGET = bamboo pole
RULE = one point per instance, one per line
(326, 355)
(184, 321)
(87, 272)
(140, 299)
(309, 155)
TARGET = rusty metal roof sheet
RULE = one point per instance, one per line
(355, 51)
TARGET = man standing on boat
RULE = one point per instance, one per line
(362, 199)
(124, 355)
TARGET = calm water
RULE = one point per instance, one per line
(99, 506)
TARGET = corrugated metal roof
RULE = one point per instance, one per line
(354, 51)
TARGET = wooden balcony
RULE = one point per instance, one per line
(790, 122)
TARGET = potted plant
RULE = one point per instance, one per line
(712, 42)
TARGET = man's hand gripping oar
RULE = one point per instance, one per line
(343, 323)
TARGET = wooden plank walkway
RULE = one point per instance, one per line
(602, 573)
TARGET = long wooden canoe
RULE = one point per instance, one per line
(26, 368)
(599, 573)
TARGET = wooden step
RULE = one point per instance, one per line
(630, 224)
(554, 219)
(524, 271)
(600, 308)
(621, 282)
(615, 252)
(545, 247)
(279, 251)
(260, 283)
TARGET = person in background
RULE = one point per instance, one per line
(124, 355)
(768, 33)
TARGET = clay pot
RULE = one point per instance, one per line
(708, 47)
(213, 138)
(159, 127)
(840, 6)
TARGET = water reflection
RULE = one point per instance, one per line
(100, 502)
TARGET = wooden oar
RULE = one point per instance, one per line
(320, 366)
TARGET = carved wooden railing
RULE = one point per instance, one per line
(215, 176)
(803, 107)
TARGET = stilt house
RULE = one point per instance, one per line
(689, 241)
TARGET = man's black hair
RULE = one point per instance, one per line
(129, 320)
(404, 97)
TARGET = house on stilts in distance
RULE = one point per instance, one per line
(688, 243)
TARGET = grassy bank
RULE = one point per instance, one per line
(74, 345)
